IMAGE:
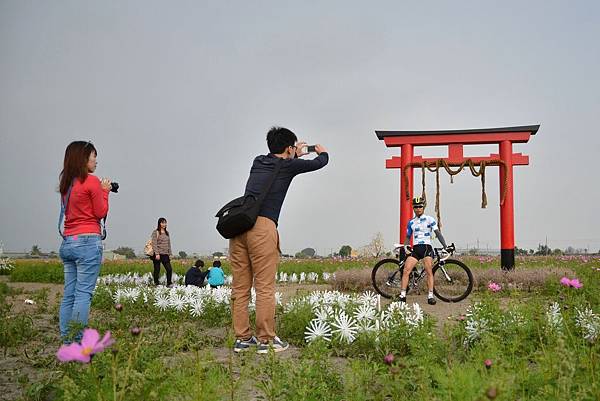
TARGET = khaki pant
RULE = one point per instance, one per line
(254, 256)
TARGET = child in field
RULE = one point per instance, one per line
(195, 275)
(216, 278)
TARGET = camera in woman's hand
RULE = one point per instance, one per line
(114, 187)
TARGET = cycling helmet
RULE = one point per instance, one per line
(419, 201)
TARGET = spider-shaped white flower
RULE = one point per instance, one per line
(312, 276)
(367, 325)
(131, 294)
(364, 312)
(293, 278)
(302, 278)
(119, 295)
(197, 307)
(326, 276)
(369, 298)
(283, 277)
(324, 313)
(278, 300)
(317, 329)
(161, 301)
(345, 327)
(177, 302)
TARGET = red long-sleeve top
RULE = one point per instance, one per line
(88, 204)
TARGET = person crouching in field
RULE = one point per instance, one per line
(195, 275)
(216, 278)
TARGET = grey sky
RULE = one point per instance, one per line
(193, 87)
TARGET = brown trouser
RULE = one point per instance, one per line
(254, 256)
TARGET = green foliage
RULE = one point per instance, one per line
(186, 358)
(182, 254)
(126, 251)
(345, 251)
(35, 251)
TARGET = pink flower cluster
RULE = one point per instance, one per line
(90, 344)
(494, 287)
(575, 283)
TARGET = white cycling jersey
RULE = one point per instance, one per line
(421, 228)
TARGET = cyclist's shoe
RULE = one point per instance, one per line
(277, 345)
(431, 301)
(402, 299)
(242, 345)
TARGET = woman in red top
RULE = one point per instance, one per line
(85, 200)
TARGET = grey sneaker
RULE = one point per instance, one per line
(277, 345)
(242, 345)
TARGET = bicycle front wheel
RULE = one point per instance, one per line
(452, 281)
(386, 277)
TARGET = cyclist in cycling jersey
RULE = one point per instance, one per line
(420, 228)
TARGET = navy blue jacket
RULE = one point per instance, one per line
(261, 171)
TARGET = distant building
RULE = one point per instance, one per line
(110, 255)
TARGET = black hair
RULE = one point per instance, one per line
(279, 138)
(160, 220)
(217, 263)
(199, 263)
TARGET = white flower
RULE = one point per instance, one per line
(475, 329)
(312, 276)
(324, 313)
(302, 278)
(293, 278)
(554, 318)
(278, 300)
(161, 301)
(345, 327)
(317, 329)
(197, 307)
(589, 324)
(364, 312)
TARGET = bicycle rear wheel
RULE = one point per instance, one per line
(452, 281)
(386, 277)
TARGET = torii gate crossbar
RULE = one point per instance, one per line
(504, 137)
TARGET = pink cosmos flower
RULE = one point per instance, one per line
(488, 363)
(90, 344)
(389, 359)
(565, 281)
(575, 283)
(494, 287)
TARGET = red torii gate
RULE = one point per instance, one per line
(456, 139)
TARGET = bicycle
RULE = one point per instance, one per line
(452, 283)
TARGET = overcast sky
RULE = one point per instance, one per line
(178, 96)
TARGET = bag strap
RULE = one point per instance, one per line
(267, 187)
(63, 210)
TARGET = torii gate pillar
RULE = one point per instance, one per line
(456, 139)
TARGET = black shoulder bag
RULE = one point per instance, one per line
(239, 215)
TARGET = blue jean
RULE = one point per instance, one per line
(82, 257)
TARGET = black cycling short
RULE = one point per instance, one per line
(421, 251)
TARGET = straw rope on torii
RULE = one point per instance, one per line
(434, 166)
